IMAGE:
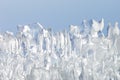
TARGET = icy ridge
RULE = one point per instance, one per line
(36, 53)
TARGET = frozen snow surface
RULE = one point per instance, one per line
(37, 53)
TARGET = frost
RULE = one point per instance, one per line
(37, 53)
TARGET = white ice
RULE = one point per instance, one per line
(37, 53)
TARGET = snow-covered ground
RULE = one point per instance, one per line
(37, 53)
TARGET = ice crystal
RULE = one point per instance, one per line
(37, 53)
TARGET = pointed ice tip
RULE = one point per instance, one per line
(1, 36)
(102, 19)
(39, 25)
(19, 26)
(93, 20)
(9, 33)
(84, 21)
(70, 26)
(116, 24)
(26, 28)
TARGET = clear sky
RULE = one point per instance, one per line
(58, 14)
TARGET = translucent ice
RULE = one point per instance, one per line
(37, 53)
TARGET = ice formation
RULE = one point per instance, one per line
(37, 53)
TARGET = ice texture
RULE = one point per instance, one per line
(37, 53)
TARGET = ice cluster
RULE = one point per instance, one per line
(37, 53)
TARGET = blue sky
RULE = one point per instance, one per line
(58, 14)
